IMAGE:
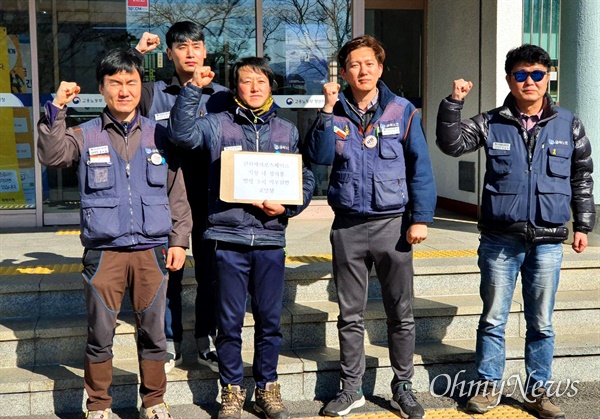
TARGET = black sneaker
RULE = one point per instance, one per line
(210, 359)
(405, 401)
(344, 402)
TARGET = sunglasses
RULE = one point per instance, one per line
(536, 75)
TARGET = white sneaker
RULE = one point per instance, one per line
(173, 360)
(99, 414)
(160, 411)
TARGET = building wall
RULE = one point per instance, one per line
(460, 44)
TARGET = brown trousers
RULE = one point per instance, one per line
(107, 274)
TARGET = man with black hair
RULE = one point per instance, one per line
(250, 238)
(186, 48)
(538, 165)
(135, 224)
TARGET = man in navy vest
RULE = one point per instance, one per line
(382, 191)
(538, 167)
(186, 48)
(249, 238)
(135, 223)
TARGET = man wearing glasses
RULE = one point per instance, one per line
(538, 166)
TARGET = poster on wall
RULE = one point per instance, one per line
(17, 181)
(138, 5)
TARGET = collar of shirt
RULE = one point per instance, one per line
(530, 121)
(370, 105)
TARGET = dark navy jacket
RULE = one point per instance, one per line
(237, 129)
(531, 178)
(119, 210)
(384, 180)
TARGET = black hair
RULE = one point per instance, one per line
(182, 31)
(364, 41)
(258, 64)
(528, 54)
(116, 61)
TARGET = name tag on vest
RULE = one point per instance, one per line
(501, 146)
(94, 151)
(162, 116)
(390, 129)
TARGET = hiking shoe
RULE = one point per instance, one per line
(210, 359)
(232, 402)
(405, 401)
(539, 402)
(99, 414)
(173, 360)
(487, 397)
(159, 411)
(268, 401)
(344, 402)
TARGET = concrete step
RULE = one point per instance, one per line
(46, 295)
(61, 339)
(304, 374)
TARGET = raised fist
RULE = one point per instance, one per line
(330, 90)
(461, 89)
(202, 76)
(148, 42)
(66, 92)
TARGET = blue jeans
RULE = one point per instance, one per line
(501, 258)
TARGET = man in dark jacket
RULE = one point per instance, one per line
(186, 48)
(249, 237)
(538, 165)
(383, 194)
(135, 223)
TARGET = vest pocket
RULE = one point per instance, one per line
(505, 200)
(554, 199)
(559, 164)
(389, 147)
(389, 190)
(340, 193)
(500, 160)
(157, 215)
(100, 218)
(157, 174)
(100, 176)
(341, 147)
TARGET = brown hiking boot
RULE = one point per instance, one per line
(539, 402)
(232, 402)
(268, 401)
(487, 397)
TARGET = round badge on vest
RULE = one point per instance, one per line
(370, 141)
(156, 159)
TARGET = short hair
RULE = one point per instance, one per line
(359, 42)
(182, 31)
(116, 61)
(526, 53)
(258, 64)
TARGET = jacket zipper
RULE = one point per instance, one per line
(128, 173)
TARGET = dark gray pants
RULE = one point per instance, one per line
(358, 244)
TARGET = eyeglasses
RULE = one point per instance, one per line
(536, 75)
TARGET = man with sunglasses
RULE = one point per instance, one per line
(538, 165)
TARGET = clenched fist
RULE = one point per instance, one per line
(66, 92)
(461, 89)
(148, 42)
(202, 76)
(331, 91)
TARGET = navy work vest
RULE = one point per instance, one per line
(117, 209)
(517, 189)
(370, 180)
(273, 136)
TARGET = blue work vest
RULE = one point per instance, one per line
(536, 188)
(272, 136)
(370, 181)
(123, 205)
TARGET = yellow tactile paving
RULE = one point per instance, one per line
(500, 412)
(189, 263)
(67, 232)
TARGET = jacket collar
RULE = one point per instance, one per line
(175, 86)
(385, 97)
(109, 120)
(510, 110)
